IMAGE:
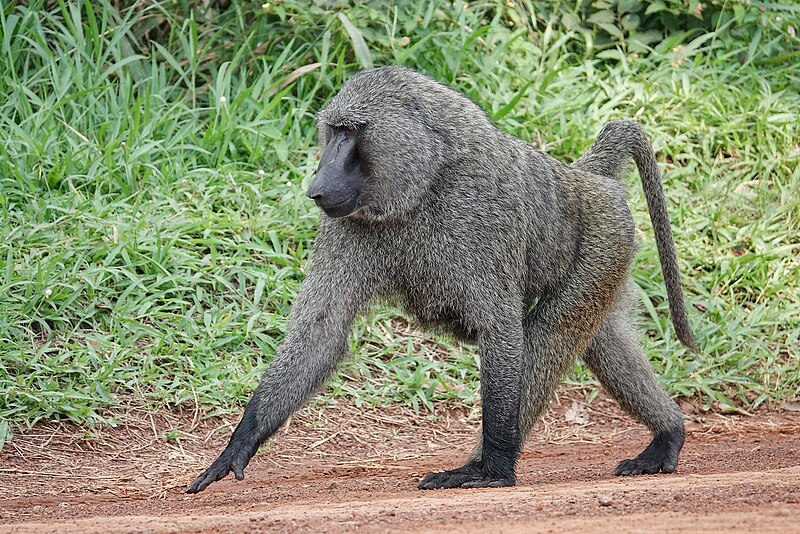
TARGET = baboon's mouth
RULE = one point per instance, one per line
(339, 209)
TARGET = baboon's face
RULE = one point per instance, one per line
(379, 150)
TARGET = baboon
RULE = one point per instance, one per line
(474, 232)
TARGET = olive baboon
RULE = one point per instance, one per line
(477, 233)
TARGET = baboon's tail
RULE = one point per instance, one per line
(616, 144)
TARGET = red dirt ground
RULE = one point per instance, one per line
(348, 469)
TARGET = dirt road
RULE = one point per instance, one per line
(344, 469)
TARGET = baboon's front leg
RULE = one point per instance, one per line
(501, 351)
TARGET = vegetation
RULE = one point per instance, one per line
(153, 159)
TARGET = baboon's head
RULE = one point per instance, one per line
(381, 149)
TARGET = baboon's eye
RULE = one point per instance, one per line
(348, 128)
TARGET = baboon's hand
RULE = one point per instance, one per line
(234, 458)
(471, 475)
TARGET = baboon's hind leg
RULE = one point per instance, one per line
(623, 369)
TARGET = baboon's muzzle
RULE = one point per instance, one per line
(337, 185)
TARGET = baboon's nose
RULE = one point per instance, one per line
(316, 191)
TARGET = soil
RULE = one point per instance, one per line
(342, 468)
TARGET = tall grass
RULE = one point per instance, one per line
(155, 231)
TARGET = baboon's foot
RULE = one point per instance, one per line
(661, 456)
(471, 475)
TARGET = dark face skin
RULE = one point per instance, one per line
(337, 186)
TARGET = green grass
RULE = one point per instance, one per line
(155, 230)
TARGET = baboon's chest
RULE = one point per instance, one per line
(443, 317)
(441, 301)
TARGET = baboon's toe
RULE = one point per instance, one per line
(638, 466)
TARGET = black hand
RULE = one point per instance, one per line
(234, 458)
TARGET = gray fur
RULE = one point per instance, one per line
(478, 234)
